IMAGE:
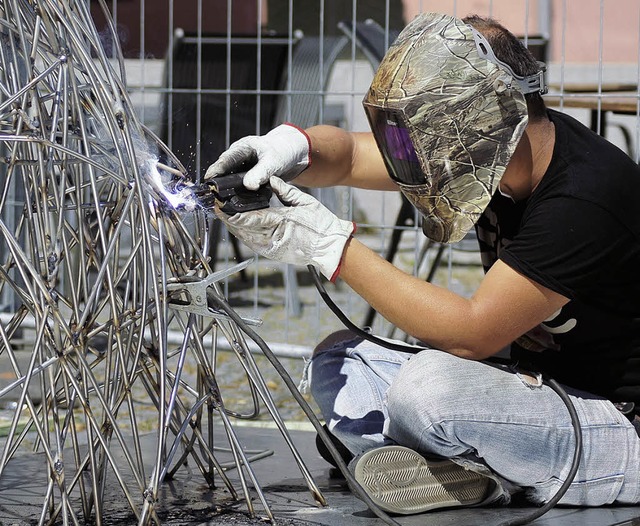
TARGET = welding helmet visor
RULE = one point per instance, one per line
(447, 116)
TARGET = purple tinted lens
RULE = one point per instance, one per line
(394, 142)
(399, 144)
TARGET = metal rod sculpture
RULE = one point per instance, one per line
(97, 263)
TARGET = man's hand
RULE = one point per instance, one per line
(283, 152)
(301, 232)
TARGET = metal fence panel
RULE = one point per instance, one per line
(251, 64)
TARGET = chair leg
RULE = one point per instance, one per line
(432, 271)
(406, 217)
(627, 138)
(436, 262)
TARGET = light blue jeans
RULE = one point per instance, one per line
(477, 414)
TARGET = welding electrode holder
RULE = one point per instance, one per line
(233, 197)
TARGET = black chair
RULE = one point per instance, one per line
(303, 98)
(302, 103)
(370, 37)
(239, 95)
(220, 89)
(235, 96)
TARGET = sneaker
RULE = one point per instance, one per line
(401, 481)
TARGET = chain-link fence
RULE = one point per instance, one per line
(203, 73)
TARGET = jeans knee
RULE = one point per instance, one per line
(326, 362)
(428, 385)
(332, 342)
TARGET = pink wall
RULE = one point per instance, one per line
(580, 20)
(583, 34)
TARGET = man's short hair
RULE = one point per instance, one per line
(510, 50)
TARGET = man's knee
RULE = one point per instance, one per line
(425, 400)
(326, 362)
(430, 382)
(332, 341)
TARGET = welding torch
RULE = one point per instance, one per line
(231, 196)
(227, 191)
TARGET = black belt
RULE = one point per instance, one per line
(630, 410)
(636, 424)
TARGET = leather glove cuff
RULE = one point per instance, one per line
(328, 253)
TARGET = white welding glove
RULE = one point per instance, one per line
(284, 152)
(302, 232)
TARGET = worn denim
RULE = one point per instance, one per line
(477, 414)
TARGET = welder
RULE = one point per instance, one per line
(459, 126)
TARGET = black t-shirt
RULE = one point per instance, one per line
(578, 235)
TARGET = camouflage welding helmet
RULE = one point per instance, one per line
(447, 116)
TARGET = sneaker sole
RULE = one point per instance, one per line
(401, 481)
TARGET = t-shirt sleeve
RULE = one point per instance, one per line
(566, 244)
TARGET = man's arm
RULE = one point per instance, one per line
(317, 157)
(342, 158)
(505, 306)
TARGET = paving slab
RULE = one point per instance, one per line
(188, 501)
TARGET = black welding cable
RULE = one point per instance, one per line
(220, 304)
(577, 431)
(394, 346)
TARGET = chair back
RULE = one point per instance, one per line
(220, 89)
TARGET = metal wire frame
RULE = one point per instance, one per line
(89, 239)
